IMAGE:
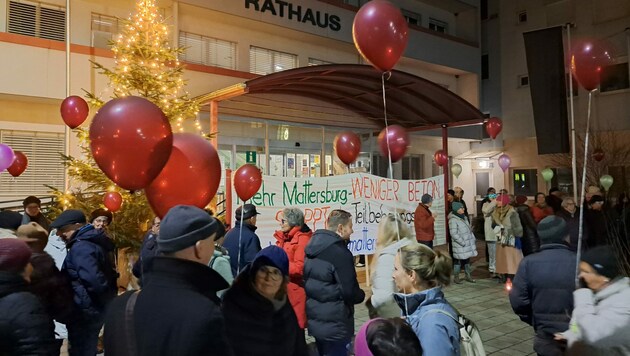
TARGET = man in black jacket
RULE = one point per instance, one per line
(331, 285)
(177, 311)
(542, 291)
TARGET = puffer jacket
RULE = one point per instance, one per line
(383, 287)
(256, 326)
(331, 285)
(438, 333)
(293, 243)
(220, 262)
(530, 241)
(463, 237)
(542, 290)
(423, 222)
(487, 209)
(90, 267)
(601, 321)
(25, 327)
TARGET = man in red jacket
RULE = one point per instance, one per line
(423, 221)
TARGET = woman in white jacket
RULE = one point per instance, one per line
(600, 324)
(463, 239)
(381, 303)
(491, 238)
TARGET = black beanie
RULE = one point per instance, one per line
(603, 261)
(183, 226)
(552, 230)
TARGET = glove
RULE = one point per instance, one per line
(517, 243)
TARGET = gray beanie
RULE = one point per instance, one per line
(183, 226)
(552, 230)
(426, 199)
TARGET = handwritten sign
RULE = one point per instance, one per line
(367, 197)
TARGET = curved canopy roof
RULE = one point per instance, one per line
(345, 95)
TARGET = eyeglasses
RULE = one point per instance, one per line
(272, 272)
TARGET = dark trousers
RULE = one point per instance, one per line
(429, 244)
(83, 336)
(545, 346)
(333, 348)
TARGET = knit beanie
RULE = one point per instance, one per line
(603, 261)
(14, 255)
(183, 226)
(552, 230)
(504, 199)
(426, 199)
(456, 206)
(451, 192)
(272, 256)
(361, 347)
(521, 199)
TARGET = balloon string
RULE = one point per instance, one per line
(391, 168)
(240, 235)
(581, 205)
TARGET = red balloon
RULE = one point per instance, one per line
(19, 164)
(74, 111)
(598, 154)
(113, 201)
(191, 175)
(398, 142)
(588, 58)
(347, 145)
(441, 158)
(247, 181)
(379, 32)
(131, 140)
(494, 126)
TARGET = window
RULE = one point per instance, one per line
(104, 28)
(522, 17)
(525, 181)
(265, 61)
(207, 51)
(485, 69)
(317, 62)
(412, 167)
(45, 165)
(412, 18)
(437, 25)
(523, 81)
(37, 20)
(562, 179)
(614, 77)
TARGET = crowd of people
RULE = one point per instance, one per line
(208, 291)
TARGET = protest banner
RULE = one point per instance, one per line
(367, 197)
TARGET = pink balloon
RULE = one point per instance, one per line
(7, 156)
(398, 142)
(504, 162)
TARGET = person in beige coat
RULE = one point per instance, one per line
(508, 229)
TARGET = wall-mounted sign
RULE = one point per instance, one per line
(298, 13)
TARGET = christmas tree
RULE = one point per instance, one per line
(146, 66)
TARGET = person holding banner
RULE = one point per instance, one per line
(389, 240)
(293, 237)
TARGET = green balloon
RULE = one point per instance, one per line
(606, 181)
(547, 174)
(456, 169)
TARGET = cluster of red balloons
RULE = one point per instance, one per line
(15, 162)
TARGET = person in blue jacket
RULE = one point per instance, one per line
(243, 252)
(90, 268)
(419, 274)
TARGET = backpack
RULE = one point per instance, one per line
(470, 343)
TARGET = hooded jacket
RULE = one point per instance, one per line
(90, 267)
(256, 326)
(176, 312)
(331, 287)
(250, 245)
(423, 222)
(542, 290)
(438, 333)
(294, 243)
(25, 327)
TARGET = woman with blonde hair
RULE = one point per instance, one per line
(507, 226)
(420, 274)
(393, 233)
